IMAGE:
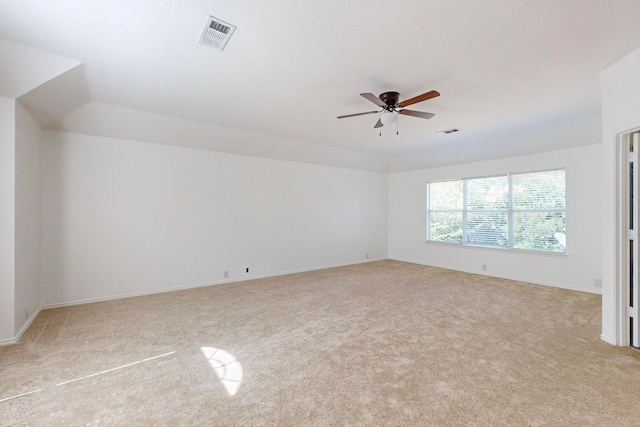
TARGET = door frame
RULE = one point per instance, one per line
(621, 284)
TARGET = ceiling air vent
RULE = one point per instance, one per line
(448, 131)
(216, 33)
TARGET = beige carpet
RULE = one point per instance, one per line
(383, 343)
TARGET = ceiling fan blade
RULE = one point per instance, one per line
(358, 114)
(378, 124)
(371, 97)
(419, 98)
(413, 113)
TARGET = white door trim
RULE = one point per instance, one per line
(632, 311)
(622, 276)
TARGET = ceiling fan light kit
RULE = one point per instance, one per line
(387, 117)
(391, 107)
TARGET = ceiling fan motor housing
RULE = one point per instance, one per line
(390, 98)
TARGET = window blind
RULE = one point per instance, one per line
(522, 211)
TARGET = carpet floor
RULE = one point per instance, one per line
(375, 344)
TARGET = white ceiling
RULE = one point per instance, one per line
(503, 67)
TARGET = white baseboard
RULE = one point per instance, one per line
(608, 340)
(304, 270)
(24, 328)
(200, 285)
(517, 279)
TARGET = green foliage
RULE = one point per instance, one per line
(488, 193)
(445, 195)
(487, 228)
(446, 227)
(540, 191)
(536, 230)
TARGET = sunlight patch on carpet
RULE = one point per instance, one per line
(116, 368)
(20, 395)
(226, 367)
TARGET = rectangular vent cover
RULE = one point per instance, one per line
(216, 33)
(448, 131)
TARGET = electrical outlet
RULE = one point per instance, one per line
(247, 270)
(484, 267)
(597, 283)
(226, 274)
(367, 256)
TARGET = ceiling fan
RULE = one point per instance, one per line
(390, 106)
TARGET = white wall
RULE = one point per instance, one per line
(27, 218)
(96, 118)
(620, 114)
(575, 132)
(7, 217)
(122, 217)
(577, 270)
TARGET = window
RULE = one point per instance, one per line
(521, 211)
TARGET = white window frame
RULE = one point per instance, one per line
(509, 211)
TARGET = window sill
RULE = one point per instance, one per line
(511, 250)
